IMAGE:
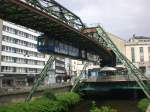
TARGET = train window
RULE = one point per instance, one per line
(66, 48)
(50, 42)
(41, 41)
(83, 54)
(56, 46)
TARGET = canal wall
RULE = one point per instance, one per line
(20, 95)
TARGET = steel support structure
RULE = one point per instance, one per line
(78, 80)
(56, 10)
(139, 77)
(40, 77)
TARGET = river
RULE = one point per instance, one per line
(120, 105)
(122, 102)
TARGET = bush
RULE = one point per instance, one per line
(49, 94)
(61, 104)
(102, 109)
(143, 104)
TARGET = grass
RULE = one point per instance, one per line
(60, 102)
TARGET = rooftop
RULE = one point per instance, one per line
(141, 37)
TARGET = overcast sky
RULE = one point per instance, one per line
(120, 17)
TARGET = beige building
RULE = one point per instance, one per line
(138, 51)
(119, 42)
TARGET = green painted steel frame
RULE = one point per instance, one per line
(139, 77)
(52, 7)
(40, 77)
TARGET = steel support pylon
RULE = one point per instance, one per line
(78, 79)
(139, 77)
(40, 77)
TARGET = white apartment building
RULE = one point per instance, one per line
(138, 51)
(20, 61)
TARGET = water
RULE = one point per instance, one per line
(120, 105)
(122, 101)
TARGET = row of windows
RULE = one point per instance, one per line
(18, 69)
(59, 64)
(19, 33)
(59, 71)
(21, 61)
(141, 51)
(21, 51)
(66, 49)
(146, 40)
(24, 27)
(19, 42)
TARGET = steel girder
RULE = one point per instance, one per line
(53, 8)
(139, 77)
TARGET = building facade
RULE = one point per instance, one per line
(138, 51)
(120, 43)
(20, 61)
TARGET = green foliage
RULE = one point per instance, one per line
(49, 94)
(143, 104)
(61, 104)
(68, 99)
(102, 109)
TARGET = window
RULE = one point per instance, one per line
(8, 59)
(141, 54)
(8, 39)
(149, 53)
(39, 62)
(19, 51)
(7, 69)
(148, 49)
(59, 64)
(141, 58)
(8, 49)
(19, 33)
(20, 60)
(30, 53)
(8, 29)
(40, 55)
(21, 70)
(141, 50)
(31, 70)
(132, 54)
(31, 62)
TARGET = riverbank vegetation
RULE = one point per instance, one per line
(94, 108)
(143, 104)
(49, 102)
